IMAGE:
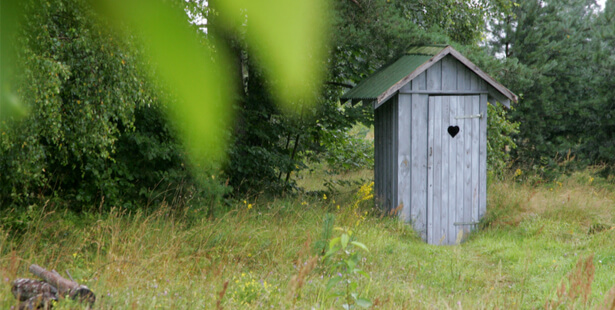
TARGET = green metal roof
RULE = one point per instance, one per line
(388, 75)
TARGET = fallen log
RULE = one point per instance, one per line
(36, 294)
(65, 287)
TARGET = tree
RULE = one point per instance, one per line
(601, 145)
(552, 39)
(96, 127)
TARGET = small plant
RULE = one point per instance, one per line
(247, 289)
(344, 261)
(327, 232)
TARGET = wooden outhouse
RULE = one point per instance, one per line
(430, 124)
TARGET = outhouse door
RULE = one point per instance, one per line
(452, 167)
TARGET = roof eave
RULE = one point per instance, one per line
(499, 92)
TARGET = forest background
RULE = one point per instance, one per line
(103, 123)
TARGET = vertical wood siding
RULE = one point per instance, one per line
(482, 159)
(404, 132)
(417, 187)
(386, 152)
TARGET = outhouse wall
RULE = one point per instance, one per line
(385, 154)
(403, 129)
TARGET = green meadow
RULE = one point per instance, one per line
(541, 245)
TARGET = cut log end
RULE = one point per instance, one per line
(83, 294)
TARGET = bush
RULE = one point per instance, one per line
(346, 152)
(96, 128)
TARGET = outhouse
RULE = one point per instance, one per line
(430, 122)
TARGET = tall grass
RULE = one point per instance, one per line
(266, 253)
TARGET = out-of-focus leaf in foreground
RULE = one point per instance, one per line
(288, 39)
(10, 105)
(192, 71)
(286, 36)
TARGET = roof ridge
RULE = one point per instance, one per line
(425, 49)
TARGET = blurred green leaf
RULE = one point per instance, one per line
(363, 303)
(193, 71)
(359, 244)
(345, 239)
(10, 105)
(287, 37)
(332, 282)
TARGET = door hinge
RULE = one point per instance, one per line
(469, 116)
(465, 223)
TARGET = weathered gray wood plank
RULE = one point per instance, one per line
(446, 139)
(405, 156)
(437, 161)
(453, 145)
(475, 157)
(463, 77)
(434, 77)
(449, 92)
(377, 155)
(433, 223)
(388, 157)
(395, 155)
(457, 208)
(483, 157)
(449, 73)
(473, 81)
(467, 169)
(420, 83)
(418, 184)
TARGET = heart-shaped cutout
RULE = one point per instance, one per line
(453, 130)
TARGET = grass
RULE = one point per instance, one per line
(266, 253)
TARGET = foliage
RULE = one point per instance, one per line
(370, 33)
(84, 75)
(566, 48)
(98, 130)
(601, 145)
(83, 89)
(345, 152)
(327, 232)
(344, 261)
(499, 139)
